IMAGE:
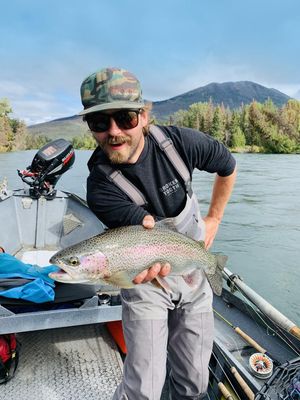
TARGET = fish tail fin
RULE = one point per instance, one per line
(221, 260)
(216, 279)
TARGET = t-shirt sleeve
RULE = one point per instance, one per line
(205, 153)
(110, 204)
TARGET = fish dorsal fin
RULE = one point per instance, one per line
(166, 223)
(120, 279)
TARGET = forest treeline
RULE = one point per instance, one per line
(14, 135)
(256, 127)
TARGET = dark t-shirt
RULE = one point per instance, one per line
(154, 175)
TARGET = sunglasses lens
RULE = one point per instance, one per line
(99, 123)
(125, 119)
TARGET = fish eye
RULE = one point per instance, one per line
(74, 261)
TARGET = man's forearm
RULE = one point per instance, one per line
(221, 193)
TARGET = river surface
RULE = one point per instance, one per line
(260, 231)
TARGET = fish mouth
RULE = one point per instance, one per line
(66, 274)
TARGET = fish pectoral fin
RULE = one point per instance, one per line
(161, 283)
(120, 279)
(192, 279)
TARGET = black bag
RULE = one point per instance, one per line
(9, 356)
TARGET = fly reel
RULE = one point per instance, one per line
(261, 366)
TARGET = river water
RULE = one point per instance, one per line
(260, 231)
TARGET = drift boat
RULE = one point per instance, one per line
(67, 351)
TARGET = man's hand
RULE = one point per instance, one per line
(157, 269)
(211, 228)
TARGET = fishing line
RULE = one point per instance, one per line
(246, 337)
(249, 393)
(213, 392)
(279, 333)
(220, 384)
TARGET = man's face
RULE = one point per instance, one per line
(122, 146)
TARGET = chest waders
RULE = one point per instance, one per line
(158, 325)
(189, 221)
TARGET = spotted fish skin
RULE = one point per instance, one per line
(118, 255)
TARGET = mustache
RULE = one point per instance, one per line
(117, 140)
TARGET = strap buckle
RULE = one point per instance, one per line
(113, 175)
(165, 144)
(188, 188)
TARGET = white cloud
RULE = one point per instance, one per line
(33, 106)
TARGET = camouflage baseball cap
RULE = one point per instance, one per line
(110, 88)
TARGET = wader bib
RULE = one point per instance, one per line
(189, 221)
(158, 325)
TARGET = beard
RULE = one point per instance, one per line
(116, 157)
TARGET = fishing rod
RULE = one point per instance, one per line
(265, 307)
(240, 380)
(247, 338)
(225, 392)
(279, 331)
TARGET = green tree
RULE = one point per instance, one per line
(237, 137)
(5, 107)
(218, 125)
(84, 142)
(20, 136)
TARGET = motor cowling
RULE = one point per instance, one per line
(47, 166)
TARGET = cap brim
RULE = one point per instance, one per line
(116, 105)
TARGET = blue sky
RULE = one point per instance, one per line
(47, 47)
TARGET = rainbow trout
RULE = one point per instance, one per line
(116, 256)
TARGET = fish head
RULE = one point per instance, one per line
(79, 265)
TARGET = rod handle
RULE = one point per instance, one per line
(295, 331)
(225, 392)
(248, 392)
(249, 340)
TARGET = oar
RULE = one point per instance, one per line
(265, 307)
(247, 338)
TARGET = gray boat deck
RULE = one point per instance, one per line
(80, 362)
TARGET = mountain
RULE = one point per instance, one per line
(231, 94)
(67, 128)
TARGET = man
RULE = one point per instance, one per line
(140, 176)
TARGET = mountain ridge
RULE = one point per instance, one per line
(230, 94)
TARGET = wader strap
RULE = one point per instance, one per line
(124, 184)
(167, 146)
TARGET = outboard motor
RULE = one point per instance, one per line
(47, 166)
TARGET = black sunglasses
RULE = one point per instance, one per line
(125, 119)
